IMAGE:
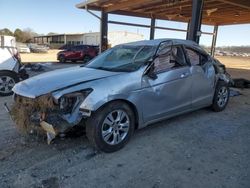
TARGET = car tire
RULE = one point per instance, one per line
(62, 59)
(221, 96)
(7, 81)
(108, 132)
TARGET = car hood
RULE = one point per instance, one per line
(59, 79)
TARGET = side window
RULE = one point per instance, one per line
(84, 48)
(162, 63)
(193, 57)
(79, 48)
(171, 60)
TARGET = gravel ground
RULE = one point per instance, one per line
(199, 149)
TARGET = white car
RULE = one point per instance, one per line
(23, 48)
(11, 70)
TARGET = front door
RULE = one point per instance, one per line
(170, 92)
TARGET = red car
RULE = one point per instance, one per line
(78, 53)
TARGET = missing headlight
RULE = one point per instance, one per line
(68, 102)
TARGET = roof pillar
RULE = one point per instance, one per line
(188, 26)
(214, 40)
(152, 29)
(104, 32)
(194, 32)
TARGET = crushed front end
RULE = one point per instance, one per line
(221, 72)
(45, 115)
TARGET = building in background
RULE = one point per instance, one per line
(92, 38)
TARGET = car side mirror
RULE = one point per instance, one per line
(151, 73)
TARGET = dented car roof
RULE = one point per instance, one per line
(156, 42)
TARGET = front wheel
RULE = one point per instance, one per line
(111, 127)
(62, 59)
(7, 82)
(221, 96)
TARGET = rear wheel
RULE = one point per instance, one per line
(7, 82)
(111, 127)
(86, 58)
(221, 96)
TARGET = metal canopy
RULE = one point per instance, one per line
(215, 12)
(193, 12)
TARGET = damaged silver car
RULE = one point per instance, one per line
(125, 88)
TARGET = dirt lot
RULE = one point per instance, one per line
(239, 67)
(198, 149)
(235, 62)
(39, 57)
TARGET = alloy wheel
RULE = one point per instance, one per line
(115, 127)
(6, 84)
(222, 97)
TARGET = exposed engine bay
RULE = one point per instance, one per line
(46, 115)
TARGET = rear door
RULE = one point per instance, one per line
(91, 51)
(203, 77)
(169, 93)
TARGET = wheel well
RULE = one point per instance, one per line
(133, 108)
(61, 55)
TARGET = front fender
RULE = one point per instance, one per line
(100, 97)
(96, 100)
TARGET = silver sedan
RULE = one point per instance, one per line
(125, 88)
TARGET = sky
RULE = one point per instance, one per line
(61, 16)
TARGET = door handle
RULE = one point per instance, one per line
(184, 75)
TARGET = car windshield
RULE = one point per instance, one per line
(123, 58)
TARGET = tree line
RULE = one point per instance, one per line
(235, 49)
(231, 49)
(25, 35)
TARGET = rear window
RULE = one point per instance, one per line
(193, 57)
